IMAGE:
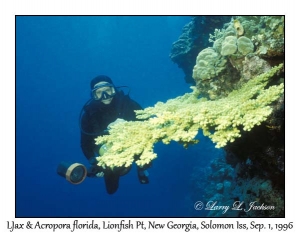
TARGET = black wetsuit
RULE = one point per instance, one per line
(97, 116)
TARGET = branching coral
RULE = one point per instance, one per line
(181, 118)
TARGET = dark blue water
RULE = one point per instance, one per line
(56, 59)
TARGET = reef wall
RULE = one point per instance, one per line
(193, 39)
(241, 49)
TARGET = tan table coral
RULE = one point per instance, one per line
(181, 118)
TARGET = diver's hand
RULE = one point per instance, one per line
(100, 174)
(95, 171)
(119, 120)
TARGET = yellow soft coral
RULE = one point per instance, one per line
(180, 119)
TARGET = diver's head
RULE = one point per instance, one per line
(103, 89)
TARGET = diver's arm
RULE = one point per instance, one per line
(87, 145)
(87, 140)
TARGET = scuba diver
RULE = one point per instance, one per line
(107, 106)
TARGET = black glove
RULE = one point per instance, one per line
(95, 171)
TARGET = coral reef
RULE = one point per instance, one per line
(261, 192)
(245, 45)
(194, 38)
(229, 46)
(253, 66)
(267, 34)
(224, 185)
(209, 64)
(251, 45)
(181, 118)
(234, 45)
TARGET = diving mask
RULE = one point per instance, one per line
(103, 91)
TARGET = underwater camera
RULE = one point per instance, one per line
(74, 173)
